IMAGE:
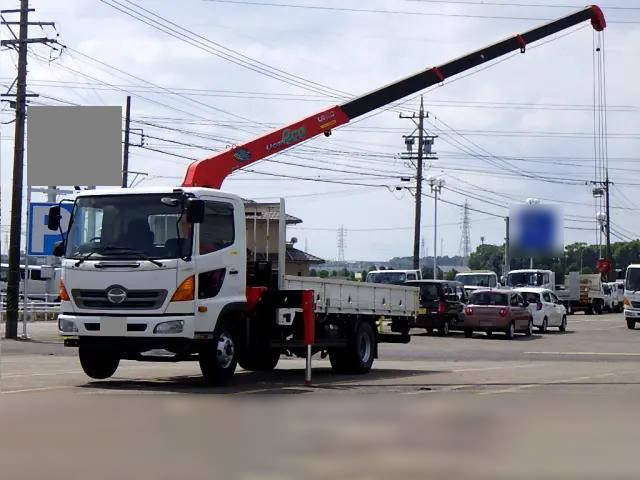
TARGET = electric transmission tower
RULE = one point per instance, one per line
(465, 239)
(342, 243)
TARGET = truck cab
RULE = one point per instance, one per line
(532, 278)
(632, 296)
(393, 277)
(139, 266)
(478, 279)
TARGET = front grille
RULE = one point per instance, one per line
(136, 299)
(635, 304)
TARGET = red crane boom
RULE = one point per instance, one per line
(212, 171)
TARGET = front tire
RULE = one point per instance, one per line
(631, 324)
(358, 356)
(259, 361)
(98, 364)
(563, 324)
(468, 333)
(218, 359)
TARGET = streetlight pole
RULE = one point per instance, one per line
(436, 185)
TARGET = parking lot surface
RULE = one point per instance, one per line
(554, 405)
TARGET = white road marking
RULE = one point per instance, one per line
(619, 354)
(38, 389)
(543, 384)
(528, 365)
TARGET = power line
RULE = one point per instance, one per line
(388, 12)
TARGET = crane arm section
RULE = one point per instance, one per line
(212, 171)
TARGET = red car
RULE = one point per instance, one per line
(497, 310)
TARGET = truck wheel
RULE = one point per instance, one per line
(563, 324)
(444, 330)
(468, 333)
(258, 361)
(99, 364)
(631, 324)
(218, 360)
(588, 311)
(597, 307)
(358, 356)
(511, 329)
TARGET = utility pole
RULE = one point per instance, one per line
(465, 240)
(423, 141)
(125, 160)
(22, 42)
(507, 253)
(436, 185)
(602, 188)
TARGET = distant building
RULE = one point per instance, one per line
(264, 219)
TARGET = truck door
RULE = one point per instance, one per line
(220, 261)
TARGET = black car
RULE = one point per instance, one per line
(442, 305)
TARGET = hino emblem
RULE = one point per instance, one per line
(116, 295)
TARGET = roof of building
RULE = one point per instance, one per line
(264, 211)
(293, 255)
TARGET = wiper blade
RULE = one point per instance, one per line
(86, 257)
(142, 255)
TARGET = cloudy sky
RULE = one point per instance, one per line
(224, 71)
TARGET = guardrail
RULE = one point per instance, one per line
(42, 308)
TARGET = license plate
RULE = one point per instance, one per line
(485, 323)
(113, 326)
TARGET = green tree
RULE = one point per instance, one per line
(313, 272)
(323, 274)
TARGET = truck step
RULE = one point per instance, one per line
(393, 338)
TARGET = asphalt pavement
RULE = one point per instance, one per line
(554, 405)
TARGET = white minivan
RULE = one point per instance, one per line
(546, 309)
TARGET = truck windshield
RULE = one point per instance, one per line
(632, 282)
(390, 278)
(525, 279)
(474, 280)
(129, 226)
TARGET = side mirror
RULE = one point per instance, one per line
(195, 210)
(58, 248)
(53, 222)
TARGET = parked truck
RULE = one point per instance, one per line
(584, 292)
(197, 294)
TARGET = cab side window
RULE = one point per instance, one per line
(217, 231)
(546, 297)
(411, 276)
(492, 282)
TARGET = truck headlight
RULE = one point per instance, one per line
(174, 326)
(67, 326)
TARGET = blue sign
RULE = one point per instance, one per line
(41, 239)
(538, 229)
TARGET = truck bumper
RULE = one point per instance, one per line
(632, 313)
(151, 327)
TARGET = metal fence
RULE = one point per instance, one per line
(42, 308)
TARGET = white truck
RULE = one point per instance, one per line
(42, 283)
(393, 277)
(169, 269)
(632, 296)
(584, 292)
(478, 279)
